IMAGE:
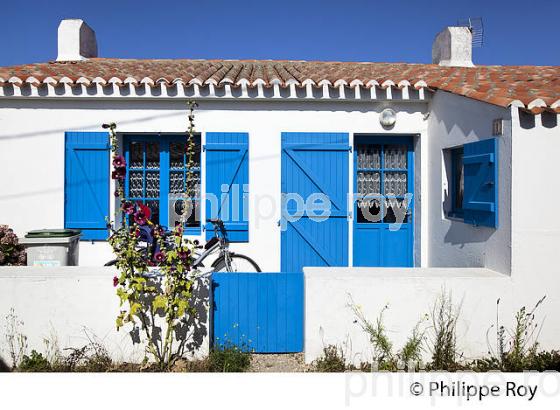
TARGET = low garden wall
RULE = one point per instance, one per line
(72, 306)
(410, 294)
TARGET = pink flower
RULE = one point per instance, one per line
(115, 281)
(128, 208)
(183, 255)
(119, 162)
(159, 256)
(140, 218)
(118, 173)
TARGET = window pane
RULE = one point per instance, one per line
(177, 154)
(368, 211)
(135, 183)
(136, 155)
(368, 156)
(458, 182)
(194, 185)
(395, 183)
(152, 155)
(154, 207)
(369, 183)
(396, 211)
(176, 182)
(152, 184)
(395, 156)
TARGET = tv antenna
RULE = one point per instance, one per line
(477, 29)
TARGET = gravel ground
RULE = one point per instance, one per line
(285, 363)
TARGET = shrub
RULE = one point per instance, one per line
(92, 357)
(228, 358)
(332, 361)
(12, 253)
(36, 362)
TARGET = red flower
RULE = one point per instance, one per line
(145, 210)
(159, 256)
(128, 208)
(118, 173)
(183, 255)
(140, 218)
(115, 281)
(119, 162)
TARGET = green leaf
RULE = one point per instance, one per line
(160, 302)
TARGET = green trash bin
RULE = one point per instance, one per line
(52, 247)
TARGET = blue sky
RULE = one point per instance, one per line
(516, 32)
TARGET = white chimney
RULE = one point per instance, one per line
(453, 47)
(76, 41)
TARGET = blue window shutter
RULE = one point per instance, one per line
(86, 183)
(227, 178)
(480, 200)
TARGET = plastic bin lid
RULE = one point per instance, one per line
(53, 233)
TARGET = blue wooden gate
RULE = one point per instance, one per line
(314, 163)
(259, 312)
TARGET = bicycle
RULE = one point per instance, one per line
(226, 261)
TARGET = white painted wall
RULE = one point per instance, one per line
(70, 304)
(519, 260)
(535, 196)
(410, 294)
(32, 153)
(455, 121)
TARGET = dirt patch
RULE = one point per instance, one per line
(285, 363)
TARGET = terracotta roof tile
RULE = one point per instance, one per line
(499, 85)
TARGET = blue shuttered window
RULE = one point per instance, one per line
(227, 182)
(86, 183)
(157, 177)
(480, 167)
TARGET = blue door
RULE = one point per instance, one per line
(259, 312)
(383, 183)
(314, 165)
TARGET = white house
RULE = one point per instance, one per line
(458, 162)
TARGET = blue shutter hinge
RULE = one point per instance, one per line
(350, 148)
(204, 148)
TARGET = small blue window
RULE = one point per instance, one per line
(457, 190)
(474, 183)
(157, 169)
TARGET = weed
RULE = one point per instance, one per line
(228, 358)
(16, 341)
(36, 362)
(444, 343)
(332, 361)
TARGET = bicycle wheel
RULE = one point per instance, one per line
(239, 263)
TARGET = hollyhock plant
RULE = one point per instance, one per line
(118, 173)
(159, 256)
(119, 162)
(128, 208)
(145, 210)
(140, 218)
(155, 289)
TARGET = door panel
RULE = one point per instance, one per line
(315, 163)
(383, 182)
